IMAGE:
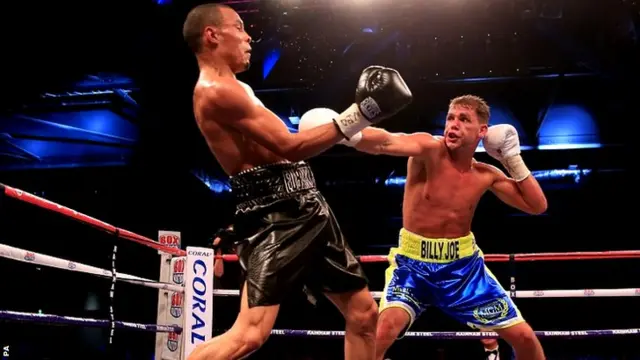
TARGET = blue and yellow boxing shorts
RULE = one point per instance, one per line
(449, 274)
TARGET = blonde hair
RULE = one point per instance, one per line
(477, 103)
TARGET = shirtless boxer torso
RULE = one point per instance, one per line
(228, 145)
(290, 236)
(442, 205)
(438, 261)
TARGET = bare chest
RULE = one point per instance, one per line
(448, 188)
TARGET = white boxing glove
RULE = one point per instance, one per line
(503, 144)
(320, 116)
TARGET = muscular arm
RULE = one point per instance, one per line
(229, 103)
(381, 142)
(525, 195)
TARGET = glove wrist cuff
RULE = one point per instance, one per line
(351, 122)
(516, 167)
(355, 139)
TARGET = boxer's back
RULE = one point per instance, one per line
(439, 200)
(234, 151)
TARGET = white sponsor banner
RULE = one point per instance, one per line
(198, 298)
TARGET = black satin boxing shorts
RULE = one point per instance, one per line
(291, 238)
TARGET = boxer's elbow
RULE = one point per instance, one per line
(289, 147)
(542, 208)
(539, 207)
(302, 146)
(541, 203)
(295, 157)
(294, 150)
(536, 211)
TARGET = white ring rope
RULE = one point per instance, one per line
(14, 253)
(519, 294)
(578, 293)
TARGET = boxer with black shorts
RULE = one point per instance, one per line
(292, 239)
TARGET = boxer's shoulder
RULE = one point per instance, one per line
(224, 94)
(487, 170)
(251, 93)
(416, 164)
(482, 166)
(436, 153)
(246, 87)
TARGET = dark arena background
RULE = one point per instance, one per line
(97, 116)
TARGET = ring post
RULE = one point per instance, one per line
(198, 296)
(171, 271)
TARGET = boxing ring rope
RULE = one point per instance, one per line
(128, 235)
(550, 256)
(14, 253)
(70, 320)
(519, 294)
(31, 257)
(86, 219)
(463, 334)
(510, 258)
(22, 255)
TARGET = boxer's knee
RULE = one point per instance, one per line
(359, 309)
(253, 337)
(521, 336)
(525, 340)
(489, 342)
(391, 323)
(362, 319)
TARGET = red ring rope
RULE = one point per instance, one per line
(128, 235)
(125, 234)
(551, 256)
(595, 255)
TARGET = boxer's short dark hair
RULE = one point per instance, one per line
(199, 17)
(477, 103)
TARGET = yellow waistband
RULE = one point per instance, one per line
(441, 250)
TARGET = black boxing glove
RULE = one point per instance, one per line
(380, 94)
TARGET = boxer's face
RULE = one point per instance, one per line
(463, 128)
(233, 42)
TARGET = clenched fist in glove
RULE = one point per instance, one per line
(380, 94)
(320, 116)
(503, 144)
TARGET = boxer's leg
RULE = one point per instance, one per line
(392, 322)
(524, 341)
(516, 331)
(401, 301)
(274, 264)
(337, 273)
(486, 305)
(360, 312)
(250, 330)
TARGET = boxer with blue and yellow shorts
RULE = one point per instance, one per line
(449, 274)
